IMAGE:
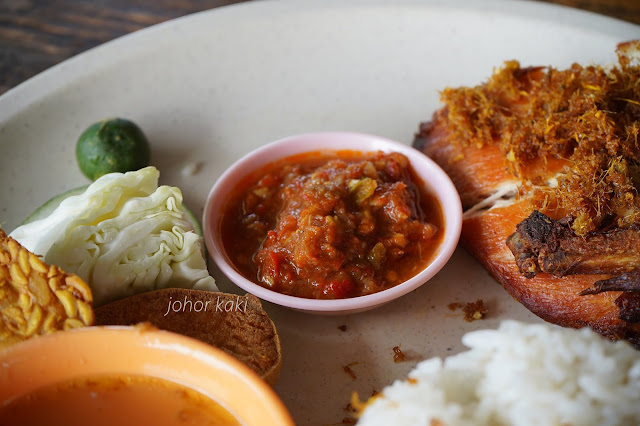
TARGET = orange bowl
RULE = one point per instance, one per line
(99, 351)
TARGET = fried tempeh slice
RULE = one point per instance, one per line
(36, 298)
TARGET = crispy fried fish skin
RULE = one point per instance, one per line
(36, 298)
(543, 244)
(629, 281)
(629, 305)
(554, 299)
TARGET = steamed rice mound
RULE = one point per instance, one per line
(520, 374)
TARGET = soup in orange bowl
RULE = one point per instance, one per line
(130, 375)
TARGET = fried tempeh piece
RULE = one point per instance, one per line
(36, 298)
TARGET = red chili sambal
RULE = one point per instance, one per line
(332, 226)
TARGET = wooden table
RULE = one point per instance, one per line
(35, 34)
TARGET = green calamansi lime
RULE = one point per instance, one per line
(114, 145)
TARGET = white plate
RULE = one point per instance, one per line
(210, 87)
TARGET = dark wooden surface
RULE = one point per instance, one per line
(37, 34)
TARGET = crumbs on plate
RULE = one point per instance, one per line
(398, 355)
(347, 369)
(472, 310)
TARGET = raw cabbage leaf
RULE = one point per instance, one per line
(123, 235)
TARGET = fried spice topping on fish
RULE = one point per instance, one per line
(571, 140)
(571, 136)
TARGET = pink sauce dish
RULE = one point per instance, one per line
(434, 183)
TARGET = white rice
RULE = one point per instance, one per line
(520, 374)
